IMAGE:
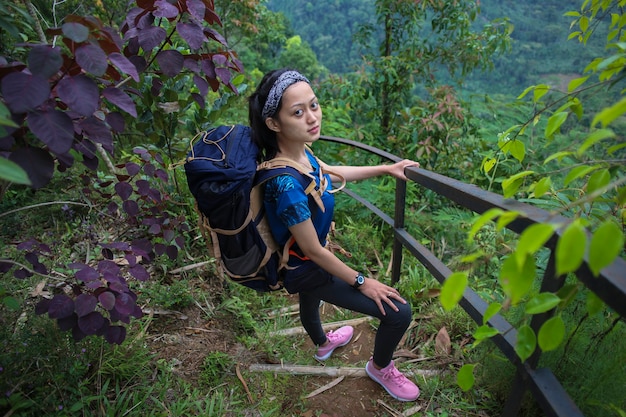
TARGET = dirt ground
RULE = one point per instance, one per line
(186, 337)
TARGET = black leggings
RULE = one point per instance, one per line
(335, 291)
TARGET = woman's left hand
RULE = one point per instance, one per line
(381, 293)
(397, 169)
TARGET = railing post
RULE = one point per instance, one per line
(549, 283)
(398, 224)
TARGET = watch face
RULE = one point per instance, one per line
(360, 280)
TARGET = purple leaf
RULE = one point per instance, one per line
(108, 267)
(155, 229)
(143, 187)
(77, 334)
(168, 235)
(165, 9)
(115, 334)
(139, 272)
(98, 131)
(94, 284)
(202, 84)
(38, 164)
(132, 168)
(42, 306)
(124, 190)
(196, 8)
(44, 60)
(213, 34)
(124, 304)
(107, 300)
(116, 121)
(75, 31)
(54, 128)
(131, 207)
(117, 245)
(120, 99)
(172, 252)
(192, 34)
(23, 92)
(223, 74)
(87, 274)
(91, 323)
(61, 306)
(199, 99)
(159, 248)
(67, 323)
(171, 62)
(124, 64)
(80, 93)
(85, 304)
(92, 59)
(131, 259)
(137, 313)
(151, 37)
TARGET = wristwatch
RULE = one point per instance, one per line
(358, 281)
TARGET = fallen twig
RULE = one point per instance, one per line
(189, 267)
(326, 370)
(243, 382)
(328, 326)
(326, 387)
(393, 411)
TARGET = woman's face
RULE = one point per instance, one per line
(300, 115)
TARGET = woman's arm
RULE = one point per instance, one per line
(306, 237)
(355, 173)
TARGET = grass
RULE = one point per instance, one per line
(44, 372)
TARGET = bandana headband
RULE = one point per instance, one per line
(284, 80)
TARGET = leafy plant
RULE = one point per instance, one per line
(68, 102)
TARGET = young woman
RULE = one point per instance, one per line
(285, 117)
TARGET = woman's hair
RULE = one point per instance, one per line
(262, 136)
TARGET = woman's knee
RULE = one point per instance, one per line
(401, 318)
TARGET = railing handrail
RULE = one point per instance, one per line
(610, 285)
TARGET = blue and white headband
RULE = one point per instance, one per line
(284, 80)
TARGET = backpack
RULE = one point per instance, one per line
(226, 181)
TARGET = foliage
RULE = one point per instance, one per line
(585, 177)
(67, 102)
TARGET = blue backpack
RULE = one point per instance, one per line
(225, 180)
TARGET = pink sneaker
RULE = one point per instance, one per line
(336, 339)
(393, 381)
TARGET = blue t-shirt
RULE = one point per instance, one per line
(286, 205)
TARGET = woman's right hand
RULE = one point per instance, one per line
(381, 293)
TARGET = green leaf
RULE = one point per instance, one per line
(575, 83)
(511, 184)
(452, 290)
(491, 311)
(598, 180)
(469, 258)
(528, 90)
(551, 334)
(570, 249)
(606, 244)
(12, 172)
(540, 91)
(505, 219)
(554, 123)
(558, 155)
(485, 218)
(488, 164)
(594, 138)
(465, 377)
(609, 114)
(593, 303)
(532, 239)
(567, 294)
(518, 150)
(526, 342)
(485, 332)
(517, 280)
(11, 303)
(577, 172)
(542, 302)
(542, 187)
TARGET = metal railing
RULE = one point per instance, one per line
(610, 285)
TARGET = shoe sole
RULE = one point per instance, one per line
(326, 356)
(367, 371)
